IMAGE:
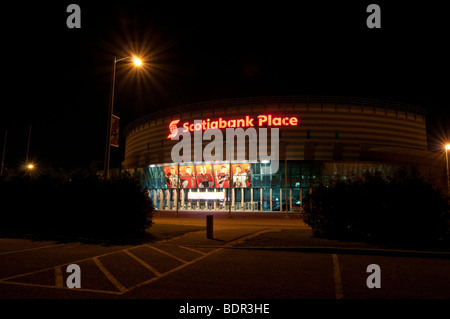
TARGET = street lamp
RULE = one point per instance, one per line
(138, 63)
(29, 168)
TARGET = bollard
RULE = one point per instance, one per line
(209, 226)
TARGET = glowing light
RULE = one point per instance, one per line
(206, 195)
(30, 166)
(447, 147)
(137, 61)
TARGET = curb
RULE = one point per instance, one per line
(353, 251)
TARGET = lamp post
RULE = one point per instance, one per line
(447, 147)
(3, 154)
(137, 62)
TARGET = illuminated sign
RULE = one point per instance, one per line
(173, 128)
(244, 122)
(206, 195)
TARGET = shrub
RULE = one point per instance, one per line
(77, 204)
(404, 208)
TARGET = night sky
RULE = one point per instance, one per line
(58, 79)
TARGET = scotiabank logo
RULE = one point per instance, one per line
(173, 128)
(247, 121)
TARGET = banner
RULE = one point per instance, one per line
(241, 175)
(208, 176)
(222, 175)
(187, 176)
(205, 177)
(114, 131)
(171, 174)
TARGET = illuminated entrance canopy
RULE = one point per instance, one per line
(244, 122)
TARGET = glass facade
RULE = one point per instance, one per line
(253, 187)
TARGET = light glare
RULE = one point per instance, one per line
(137, 61)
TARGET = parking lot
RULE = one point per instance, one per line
(236, 264)
(105, 270)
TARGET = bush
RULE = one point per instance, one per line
(404, 209)
(75, 205)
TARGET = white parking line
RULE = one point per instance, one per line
(339, 292)
(121, 289)
(174, 269)
(108, 275)
(194, 250)
(65, 288)
(143, 263)
(58, 277)
(168, 254)
(29, 249)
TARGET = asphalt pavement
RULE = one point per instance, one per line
(281, 231)
(262, 257)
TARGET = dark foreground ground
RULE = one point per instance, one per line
(269, 259)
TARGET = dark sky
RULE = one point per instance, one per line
(58, 79)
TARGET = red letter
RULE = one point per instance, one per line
(186, 126)
(277, 121)
(198, 126)
(293, 121)
(248, 121)
(262, 119)
(222, 123)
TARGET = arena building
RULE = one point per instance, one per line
(319, 139)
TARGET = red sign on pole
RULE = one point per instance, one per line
(115, 131)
